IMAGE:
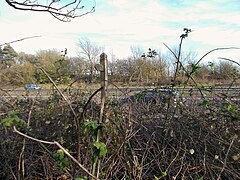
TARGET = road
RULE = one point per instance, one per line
(45, 93)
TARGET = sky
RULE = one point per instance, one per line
(117, 25)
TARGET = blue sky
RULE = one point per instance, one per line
(119, 24)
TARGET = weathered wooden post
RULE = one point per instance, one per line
(103, 75)
(104, 78)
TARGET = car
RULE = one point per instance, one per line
(153, 96)
(32, 86)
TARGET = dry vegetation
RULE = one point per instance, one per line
(54, 138)
(198, 139)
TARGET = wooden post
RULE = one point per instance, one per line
(104, 78)
(103, 74)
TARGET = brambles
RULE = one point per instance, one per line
(13, 119)
(139, 144)
(197, 139)
(61, 160)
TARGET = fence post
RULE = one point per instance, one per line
(103, 75)
(104, 79)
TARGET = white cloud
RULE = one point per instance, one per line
(215, 36)
(119, 24)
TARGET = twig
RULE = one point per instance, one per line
(216, 49)
(61, 94)
(58, 145)
(230, 60)
(19, 40)
(225, 160)
(21, 162)
(174, 159)
(182, 158)
(71, 108)
(89, 100)
(63, 13)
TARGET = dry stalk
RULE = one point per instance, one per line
(182, 163)
(21, 163)
(71, 108)
(225, 160)
(59, 146)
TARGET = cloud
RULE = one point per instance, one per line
(120, 24)
(215, 36)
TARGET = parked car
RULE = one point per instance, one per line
(32, 86)
(153, 96)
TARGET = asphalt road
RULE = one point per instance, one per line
(45, 93)
(120, 90)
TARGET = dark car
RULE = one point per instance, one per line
(32, 86)
(153, 96)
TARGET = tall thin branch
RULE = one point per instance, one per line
(30, 37)
(230, 60)
(59, 146)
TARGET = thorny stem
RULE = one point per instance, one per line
(86, 105)
(225, 160)
(21, 163)
(59, 146)
(230, 60)
(178, 59)
(71, 108)
(178, 63)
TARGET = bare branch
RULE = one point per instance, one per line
(216, 49)
(59, 9)
(19, 40)
(209, 52)
(225, 160)
(174, 54)
(59, 146)
(230, 60)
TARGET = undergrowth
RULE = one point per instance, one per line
(56, 138)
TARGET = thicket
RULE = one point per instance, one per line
(56, 138)
(19, 68)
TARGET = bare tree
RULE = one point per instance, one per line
(60, 9)
(90, 52)
(137, 52)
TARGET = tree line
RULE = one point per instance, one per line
(141, 68)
